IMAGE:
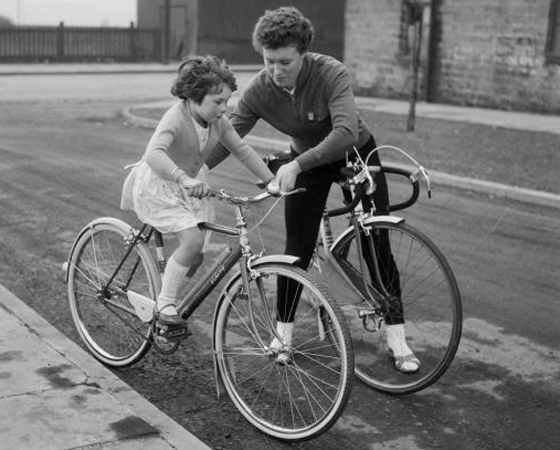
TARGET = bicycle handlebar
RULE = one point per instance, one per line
(222, 194)
(361, 189)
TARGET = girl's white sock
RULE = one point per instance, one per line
(171, 284)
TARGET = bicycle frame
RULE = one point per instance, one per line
(360, 222)
(241, 254)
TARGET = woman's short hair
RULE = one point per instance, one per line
(198, 76)
(283, 27)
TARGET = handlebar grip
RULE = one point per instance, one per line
(413, 181)
(348, 172)
(358, 194)
(360, 190)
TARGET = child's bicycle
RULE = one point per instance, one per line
(409, 276)
(113, 280)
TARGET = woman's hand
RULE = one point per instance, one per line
(286, 176)
(194, 187)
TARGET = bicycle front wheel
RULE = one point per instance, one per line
(295, 400)
(102, 313)
(430, 304)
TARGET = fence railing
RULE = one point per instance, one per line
(73, 44)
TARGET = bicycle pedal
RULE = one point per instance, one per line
(171, 332)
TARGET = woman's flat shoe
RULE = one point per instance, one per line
(282, 355)
(407, 364)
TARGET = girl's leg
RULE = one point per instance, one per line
(191, 241)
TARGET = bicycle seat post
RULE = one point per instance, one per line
(241, 225)
(326, 231)
(159, 251)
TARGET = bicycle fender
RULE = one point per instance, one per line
(112, 220)
(377, 219)
(279, 259)
(368, 221)
(282, 259)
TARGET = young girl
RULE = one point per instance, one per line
(167, 188)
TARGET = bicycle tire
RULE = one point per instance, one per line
(432, 309)
(296, 401)
(108, 324)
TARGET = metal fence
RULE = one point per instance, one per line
(73, 44)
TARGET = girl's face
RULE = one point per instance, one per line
(212, 107)
(283, 65)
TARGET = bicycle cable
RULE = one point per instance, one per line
(419, 166)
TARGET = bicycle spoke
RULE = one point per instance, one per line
(104, 317)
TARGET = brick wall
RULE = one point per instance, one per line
(488, 53)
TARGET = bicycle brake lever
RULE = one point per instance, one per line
(422, 173)
(295, 191)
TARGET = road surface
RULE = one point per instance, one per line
(61, 159)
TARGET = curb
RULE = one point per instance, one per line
(177, 436)
(92, 69)
(519, 194)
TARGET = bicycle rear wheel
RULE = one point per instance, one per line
(294, 401)
(103, 315)
(431, 304)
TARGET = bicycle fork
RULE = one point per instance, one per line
(371, 316)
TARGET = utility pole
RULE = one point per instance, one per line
(416, 18)
(166, 29)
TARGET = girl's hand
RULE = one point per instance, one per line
(286, 176)
(194, 187)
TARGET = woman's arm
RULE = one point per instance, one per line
(243, 121)
(242, 151)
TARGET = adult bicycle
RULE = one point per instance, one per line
(372, 280)
(113, 281)
(413, 278)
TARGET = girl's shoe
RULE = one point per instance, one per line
(171, 317)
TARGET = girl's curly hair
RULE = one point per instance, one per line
(283, 27)
(198, 76)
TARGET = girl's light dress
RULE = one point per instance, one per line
(158, 200)
(162, 203)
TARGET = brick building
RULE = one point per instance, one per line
(224, 28)
(501, 54)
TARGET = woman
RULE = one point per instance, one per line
(309, 97)
(167, 187)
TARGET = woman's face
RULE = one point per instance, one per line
(213, 106)
(283, 65)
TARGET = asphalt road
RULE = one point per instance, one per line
(62, 151)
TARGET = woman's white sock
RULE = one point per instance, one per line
(396, 340)
(285, 330)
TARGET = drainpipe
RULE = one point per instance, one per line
(434, 41)
(166, 29)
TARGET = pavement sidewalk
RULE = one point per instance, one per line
(55, 396)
